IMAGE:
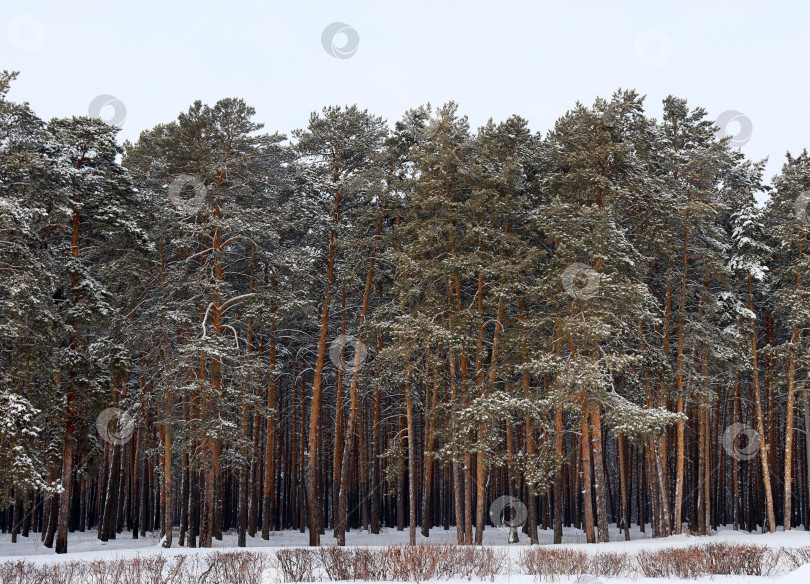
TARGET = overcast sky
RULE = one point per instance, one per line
(494, 58)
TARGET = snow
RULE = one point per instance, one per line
(798, 576)
(86, 546)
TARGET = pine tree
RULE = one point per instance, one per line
(787, 217)
(30, 325)
(594, 287)
(207, 300)
(92, 200)
(586, 324)
(334, 150)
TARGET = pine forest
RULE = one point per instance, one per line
(410, 325)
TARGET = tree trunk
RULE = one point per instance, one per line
(587, 494)
(167, 477)
(375, 465)
(559, 477)
(806, 407)
(763, 447)
(679, 377)
(531, 524)
(313, 501)
(427, 491)
(600, 484)
(16, 519)
(789, 415)
(625, 520)
(458, 497)
(63, 517)
(270, 439)
(357, 363)
(340, 414)
(735, 463)
(412, 464)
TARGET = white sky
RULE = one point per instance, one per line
(494, 58)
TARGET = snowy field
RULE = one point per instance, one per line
(85, 547)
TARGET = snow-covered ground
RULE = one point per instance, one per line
(85, 546)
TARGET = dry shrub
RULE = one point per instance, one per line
(179, 570)
(414, 563)
(104, 572)
(369, 564)
(550, 563)
(489, 563)
(478, 562)
(19, 572)
(297, 564)
(409, 564)
(711, 558)
(149, 569)
(649, 564)
(64, 573)
(233, 568)
(214, 568)
(610, 564)
(337, 562)
(422, 562)
(25, 572)
(795, 557)
(737, 559)
(689, 562)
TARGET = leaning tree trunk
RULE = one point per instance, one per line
(558, 480)
(348, 444)
(531, 524)
(806, 407)
(625, 509)
(679, 377)
(340, 415)
(789, 413)
(789, 431)
(412, 464)
(375, 464)
(600, 484)
(482, 468)
(514, 537)
(763, 447)
(587, 493)
(480, 457)
(313, 501)
(735, 463)
(67, 477)
(167, 477)
(270, 439)
(430, 426)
